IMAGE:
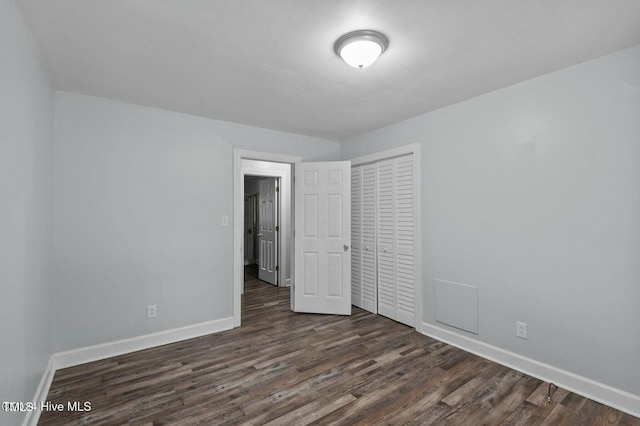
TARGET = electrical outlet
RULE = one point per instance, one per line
(224, 220)
(152, 311)
(521, 329)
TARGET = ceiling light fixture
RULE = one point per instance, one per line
(361, 48)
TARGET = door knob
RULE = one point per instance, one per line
(259, 234)
(346, 247)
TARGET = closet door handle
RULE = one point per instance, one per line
(346, 247)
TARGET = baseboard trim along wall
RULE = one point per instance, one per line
(605, 394)
(119, 347)
(32, 417)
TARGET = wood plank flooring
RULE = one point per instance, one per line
(282, 368)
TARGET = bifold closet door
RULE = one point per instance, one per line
(396, 239)
(356, 236)
(369, 261)
(363, 237)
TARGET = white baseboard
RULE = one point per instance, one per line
(119, 347)
(32, 417)
(605, 394)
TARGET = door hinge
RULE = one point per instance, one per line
(277, 229)
(277, 189)
(276, 268)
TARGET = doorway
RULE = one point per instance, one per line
(261, 228)
(323, 260)
(263, 165)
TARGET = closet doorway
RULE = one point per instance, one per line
(386, 236)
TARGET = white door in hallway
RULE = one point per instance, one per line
(322, 238)
(267, 231)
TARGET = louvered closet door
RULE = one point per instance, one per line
(396, 238)
(369, 261)
(405, 209)
(356, 236)
(363, 237)
(386, 239)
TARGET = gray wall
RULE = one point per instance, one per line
(26, 152)
(532, 194)
(138, 197)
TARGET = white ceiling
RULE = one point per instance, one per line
(271, 63)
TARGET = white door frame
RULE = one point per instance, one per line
(417, 160)
(238, 212)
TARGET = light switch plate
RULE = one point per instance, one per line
(152, 311)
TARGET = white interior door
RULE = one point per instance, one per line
(267, 237)
(322, 232)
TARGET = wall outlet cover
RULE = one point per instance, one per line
(521, 329)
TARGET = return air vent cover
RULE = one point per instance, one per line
(457, 305)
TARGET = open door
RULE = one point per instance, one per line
(322, 235)
(267, 237)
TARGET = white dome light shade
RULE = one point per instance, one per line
(360, 49)
(361, 53)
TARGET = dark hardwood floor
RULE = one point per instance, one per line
(282, 368)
